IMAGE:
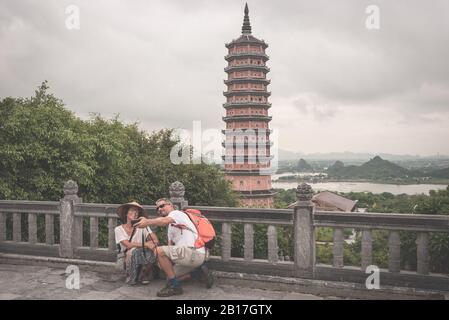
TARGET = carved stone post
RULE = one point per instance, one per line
(177, 191)
(2, 226)
(422, 243)
(49, 229)
(394, 252)
(67, 220)
(367, 249)
(17, 227)
(93, 222)
(338, 248)
(304, 235)
(249, 242)
(272, 244)
(112, 223)
(32, 227)
(226, 241)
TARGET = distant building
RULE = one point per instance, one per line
(329, 201)
(247, 134)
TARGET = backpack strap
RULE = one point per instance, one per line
(143, 244)
(183, 226)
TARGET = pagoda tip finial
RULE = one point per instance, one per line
(246, 29)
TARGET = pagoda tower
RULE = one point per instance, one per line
(247, 134)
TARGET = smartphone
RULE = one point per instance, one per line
(134, 221)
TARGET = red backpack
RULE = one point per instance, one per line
(205, 229)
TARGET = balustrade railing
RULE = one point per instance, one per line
(60, 229)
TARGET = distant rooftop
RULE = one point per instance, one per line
(330, 201)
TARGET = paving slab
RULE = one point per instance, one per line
(40, 282)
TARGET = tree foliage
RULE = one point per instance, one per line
(437, 202)
(44, 144)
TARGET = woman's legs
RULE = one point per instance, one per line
(133, 268)
(139, 266)
(146, 273)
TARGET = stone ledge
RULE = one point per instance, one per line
(327, 288)
(19, 259)
(300, 285)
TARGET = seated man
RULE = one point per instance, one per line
(180, 258)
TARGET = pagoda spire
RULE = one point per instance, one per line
(246, 28)
(247, 157)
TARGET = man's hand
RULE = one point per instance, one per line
(160, 222)
(143, 223)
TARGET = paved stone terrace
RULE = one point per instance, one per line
(38, 282)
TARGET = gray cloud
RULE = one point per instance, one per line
(161, 62)
(319, 110)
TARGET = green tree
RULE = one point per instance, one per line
(44, 145)
(437, 202)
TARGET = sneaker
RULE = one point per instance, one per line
(207, 276)
(170, 291)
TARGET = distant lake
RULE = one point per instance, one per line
(360, 186)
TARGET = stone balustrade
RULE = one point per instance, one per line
(71, 214)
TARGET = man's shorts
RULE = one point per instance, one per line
(185, 259)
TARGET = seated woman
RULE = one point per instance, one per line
(137, 244)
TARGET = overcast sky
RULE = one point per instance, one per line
(336, 85)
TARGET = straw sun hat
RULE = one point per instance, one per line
(122, 211)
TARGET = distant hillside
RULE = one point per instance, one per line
(351, 156)
(374, 169)
(439, 173)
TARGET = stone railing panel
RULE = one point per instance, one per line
(302, 218)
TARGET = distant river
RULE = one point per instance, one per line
(360, 186)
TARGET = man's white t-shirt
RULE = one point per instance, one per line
(182, 237)
(120, 235)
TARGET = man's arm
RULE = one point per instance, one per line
(160, 222)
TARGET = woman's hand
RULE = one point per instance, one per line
(150, 245)
(130, 245)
